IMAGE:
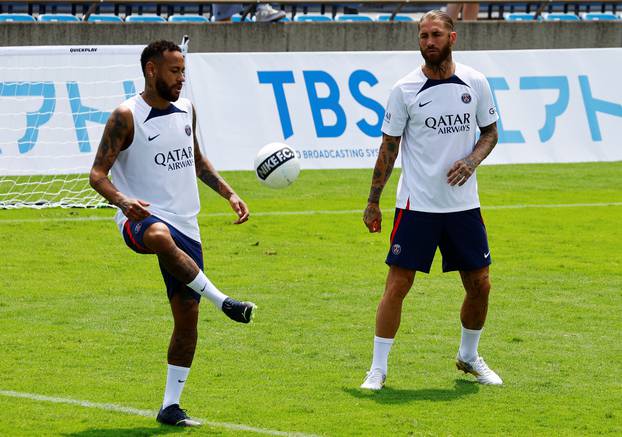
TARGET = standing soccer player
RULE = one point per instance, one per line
(150, 146)
(434, 112)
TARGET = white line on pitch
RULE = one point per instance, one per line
(308, 212)
(144, 413)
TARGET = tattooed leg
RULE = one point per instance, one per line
(158, 239)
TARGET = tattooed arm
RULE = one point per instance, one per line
(464, 168)
(384, 166)
(208, 174)
(118, 135)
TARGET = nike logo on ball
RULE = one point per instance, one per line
(421, 105)
(153, 138)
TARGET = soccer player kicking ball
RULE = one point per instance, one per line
(434, 112)
(150, 146)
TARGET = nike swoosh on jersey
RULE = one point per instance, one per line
(153, 138)
(421, 105)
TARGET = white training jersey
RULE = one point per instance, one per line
(437, 120)
(158, 167)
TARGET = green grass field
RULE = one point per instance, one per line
(83, 318)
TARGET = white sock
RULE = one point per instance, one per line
(382, 347)
(204, 287)
(175, 379)
(468, 344)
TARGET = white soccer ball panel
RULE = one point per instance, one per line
(276, 165)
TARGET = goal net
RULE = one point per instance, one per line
(54, 102)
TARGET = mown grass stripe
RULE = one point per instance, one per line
(308, 212)
(144, 413)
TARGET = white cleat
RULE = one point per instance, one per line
(480, 370)
(374, 380)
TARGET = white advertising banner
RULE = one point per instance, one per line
(555, 105)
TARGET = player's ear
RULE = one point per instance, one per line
(150, 69)
(453, 36)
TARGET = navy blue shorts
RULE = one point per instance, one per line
(133, 233)
(461, 237)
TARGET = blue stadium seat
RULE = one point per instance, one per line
(598, 16)
(521, 16)
(104, 18)
(309, 17)
(396, 18)
(238, 19)
(187, 19)
(560, 16)
(144, 19)
(353, 18)
(66, 18)
(16, 17)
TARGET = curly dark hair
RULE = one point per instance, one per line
(155, 50)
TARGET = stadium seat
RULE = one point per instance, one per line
(521, 16)
(396, 18)
(353, 18)
(144, 19)
(318, 18)
(104, 18)
(16, 17)
(598, 16)
(560, 16)
(238, 19)
(66, 18)
(187, 19)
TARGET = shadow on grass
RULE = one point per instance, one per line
(390, 395)
(134, 432)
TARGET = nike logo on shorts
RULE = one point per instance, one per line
(486, 255)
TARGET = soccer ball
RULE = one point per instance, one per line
(276, 165)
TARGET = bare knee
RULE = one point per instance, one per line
(399, 282)
(185, 310)
(158, 238)
(479, 290)
(476, 284)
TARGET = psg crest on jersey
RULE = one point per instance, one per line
(466, 98)
(189, 131)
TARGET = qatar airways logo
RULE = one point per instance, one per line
(450, 123)
(175, 159)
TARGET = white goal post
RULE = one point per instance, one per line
(54, 102)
